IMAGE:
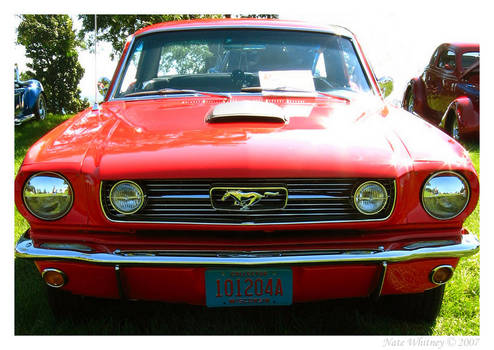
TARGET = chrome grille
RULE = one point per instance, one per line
(188, 201)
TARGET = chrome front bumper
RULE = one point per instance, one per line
(469, 245)
(22, 118)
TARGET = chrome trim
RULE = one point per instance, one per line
(245, 223)
(367, 183)
(60, 176)
(423, 244)
(139, 189)
(21, 119)
(380, 282)
(461, 177)
(64, 276)
(431, 275)
(333, 29)
(70, 246)
(469, 245)
(265, 189)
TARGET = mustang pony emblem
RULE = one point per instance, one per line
(245, 200)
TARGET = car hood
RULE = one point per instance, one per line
(171, 138)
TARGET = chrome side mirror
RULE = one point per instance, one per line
(386, 86)
(16, 74)
(103, 86)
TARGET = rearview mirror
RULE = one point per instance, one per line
(386, 86)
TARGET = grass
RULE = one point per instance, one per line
(459, 314)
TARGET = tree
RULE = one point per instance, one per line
(116, 28)
(51, 43)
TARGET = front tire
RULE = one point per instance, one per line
(62, 303)
(416, 307)
(40, 107)
(409, 101)
(454, 129)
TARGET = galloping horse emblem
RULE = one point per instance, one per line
(245, 200)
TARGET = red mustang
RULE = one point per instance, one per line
(247, 162)
(447, 92)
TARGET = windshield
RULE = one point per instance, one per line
(237, 59)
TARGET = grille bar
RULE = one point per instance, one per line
(308, 201)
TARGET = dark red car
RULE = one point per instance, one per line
(447, 92)
(247, 162)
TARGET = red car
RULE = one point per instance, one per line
(247, 162)
(447, 92)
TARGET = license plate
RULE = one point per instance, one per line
(248, 287)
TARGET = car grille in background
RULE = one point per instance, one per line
(188, 201)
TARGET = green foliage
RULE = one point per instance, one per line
(51, 44)
(180, 59)
(116, 28)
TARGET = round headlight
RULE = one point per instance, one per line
(370, 198)
(126, 197)
(48, 196)
(445, 195)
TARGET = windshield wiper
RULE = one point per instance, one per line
(168, 91)
(288, 89)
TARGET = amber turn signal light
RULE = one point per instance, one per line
(441, 274)
(54, 278)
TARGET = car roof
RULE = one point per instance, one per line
(242, 23)
(463, 46)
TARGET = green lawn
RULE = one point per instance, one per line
(459, 314)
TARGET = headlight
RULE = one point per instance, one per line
(126, 197)
(370, 198)
(445, 195)
(48, 196)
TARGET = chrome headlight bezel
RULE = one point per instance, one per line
(68, 191)
(360, 188)
(439, 174)
(139, 190)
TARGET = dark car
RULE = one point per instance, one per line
(29, 99)
(447, 92)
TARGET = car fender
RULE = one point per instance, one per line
(418, 88)
(468, 118)
(31, 94)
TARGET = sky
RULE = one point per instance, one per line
(397, 38)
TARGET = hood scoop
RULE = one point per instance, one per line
(247, 111)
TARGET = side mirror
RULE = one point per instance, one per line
(103, 86)
(16, 73)
(386, 86)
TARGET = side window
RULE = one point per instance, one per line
(468, 59)
(356, 76)
(130, 77)
(433, 58)
(447, 60)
